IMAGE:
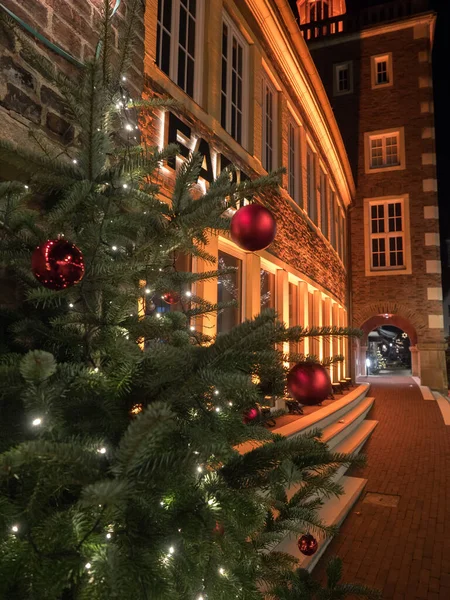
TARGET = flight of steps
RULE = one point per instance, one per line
(345, 429)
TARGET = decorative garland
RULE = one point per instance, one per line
(47, 42)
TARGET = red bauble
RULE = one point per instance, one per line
(307, 544)
(171, 297)
(309, 383)
(57, 264)
(219, 529)
(253, 227)
(251, 414)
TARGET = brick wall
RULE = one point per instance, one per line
(408, 103)
(25, 97)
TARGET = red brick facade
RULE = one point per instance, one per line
(408, 104)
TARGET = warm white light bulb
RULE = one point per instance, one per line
(128, 127)
(192, 328)
(125, 185)
(101, 450)
(217, 408)
(188, 294)
(199, 469)
(26, 187)
(37, 422)
(158, 315)
(87, 565)
(222, 571)
(147, 291)
(14, 529)
(124, 78)
(230, 404)
(70, 305)
(108, 536)
(210, 501)
(216, 392)
(171, 550)
(114, 248)
(74, 161)
(96, 370)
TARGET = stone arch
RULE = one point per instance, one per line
(389, 319)
(389, 312)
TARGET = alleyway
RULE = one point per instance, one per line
(404, 551)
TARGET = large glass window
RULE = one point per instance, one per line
(234, 67)
(229, 289)
(267, 289)
(311, 184)
(269, 124)
(387, 236)
(294, 161)
(323, 204)
(384, 150)
(178, 36)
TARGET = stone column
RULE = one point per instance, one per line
(303, 315)
(335, 341)
(317, 322)
(207, 290)
(362, 360)
(415, 362)
(282, 300)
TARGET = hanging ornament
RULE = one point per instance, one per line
(307, 544)
(219, 529)
(251, 414)
(309, 383)
(253, 227)
(171, 297)
(57, 264)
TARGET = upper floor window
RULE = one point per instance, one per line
(343, 78)
(387, 236)
(294, 160)
(179, 41)
(332, 218)
(381, 66)
(323, 204)
(269, 124)
(233, 112)
(311, 184)
(385, 150)
(386, 228)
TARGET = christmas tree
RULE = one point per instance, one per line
(120, 426)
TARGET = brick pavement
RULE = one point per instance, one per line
(403, 551)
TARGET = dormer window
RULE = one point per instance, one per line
(318, 10)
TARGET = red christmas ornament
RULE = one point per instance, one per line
(253, 227)
(251, 414)
(171, 297)
(307, 544)
(57, 264)
(219, 529)
(309, 383)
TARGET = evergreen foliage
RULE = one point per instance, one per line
(119, 427)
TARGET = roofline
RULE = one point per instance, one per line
(428, 17)
(293, 54)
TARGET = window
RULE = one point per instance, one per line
(294, 161)
(317, 10)
(267, 289)
(233, 87)
(323, 204)
(229, 289)
(385, 150)
(336, 226)
(311, 184)
(269, 124)
(382, 75)
(343, 78)
(332, 218)
(178, 42)
(387, 244)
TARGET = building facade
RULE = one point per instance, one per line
(251, 96)
(375, 63)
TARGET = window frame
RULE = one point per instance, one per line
(383, 134)
(311, 187)
(337, 67)
(374, 61)
(226, 247)
(233, 30)
(269, 87)
(324, 191)
(174, 46)
(406, 269)
(294, 188)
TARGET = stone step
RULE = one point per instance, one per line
(333, 512)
